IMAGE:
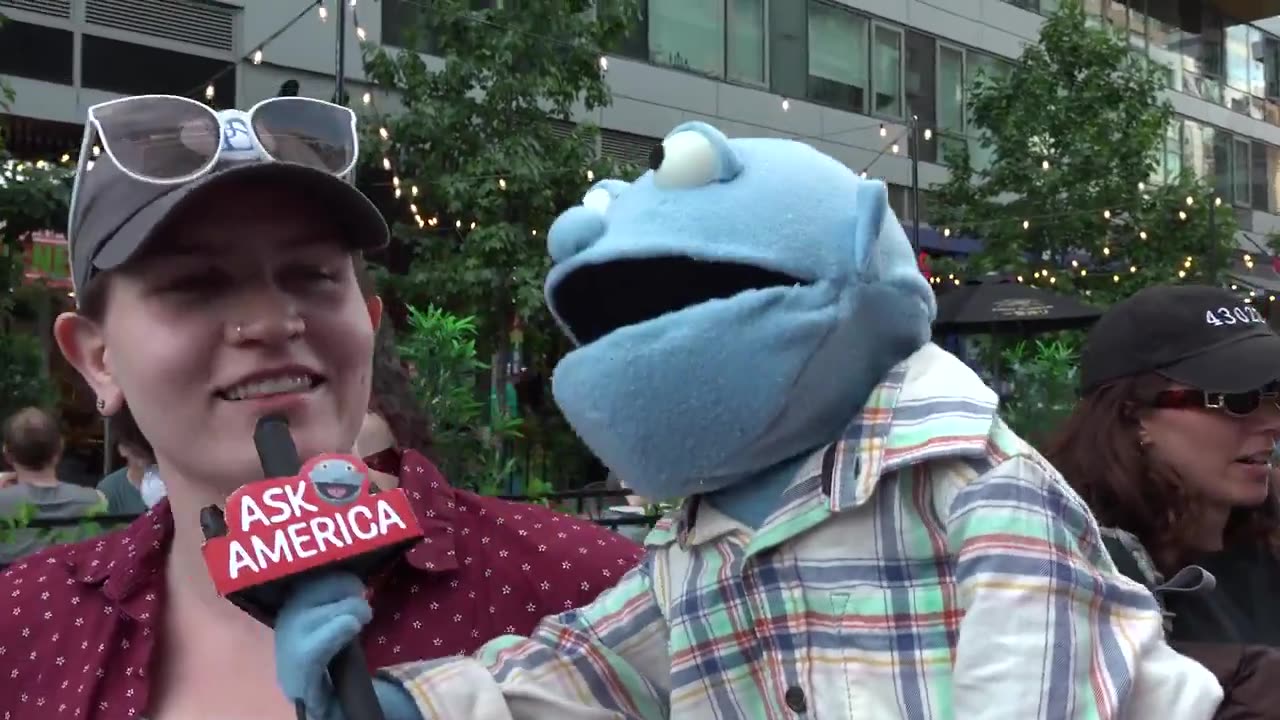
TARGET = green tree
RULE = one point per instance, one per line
(1074, 198)
(478, 151)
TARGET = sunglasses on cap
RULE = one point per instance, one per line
(170, 140)
(1241, 404)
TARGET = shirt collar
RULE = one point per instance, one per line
(929, 406)
(132, 560)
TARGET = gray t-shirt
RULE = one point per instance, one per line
(63, 500)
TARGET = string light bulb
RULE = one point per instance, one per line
(1190, 201)
(946, 232)
(1142, 234)
(1044, 165)
(366, 98)
(502, 184)
(894, 148)
(1026, 224)
(386, 164)
(604, 64)
(1106, 214)
(1217, 202)
(324, 13)
(786, 104)
(928, 134)
(413, 191)
(1133, 269)
(1182, 215)
(257, 56)
(208, 92)
(360, 33)
(591, 177)
(1142, 187)
(382, 133)
(883, 130)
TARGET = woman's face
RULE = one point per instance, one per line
(249, 307)
(1215, 453)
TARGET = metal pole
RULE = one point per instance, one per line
(915, 184)
(340, 55)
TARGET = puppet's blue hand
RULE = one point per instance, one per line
(321, 617)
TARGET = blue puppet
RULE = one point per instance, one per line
(860, 535)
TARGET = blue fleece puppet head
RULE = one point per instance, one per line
(733, 308)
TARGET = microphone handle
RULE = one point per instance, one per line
(354, 687)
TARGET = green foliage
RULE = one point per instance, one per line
(477, 150)
(1077, 128)
(442, 347)
(33, 197)
(1043, 381)
(12, 527)
(23, 379)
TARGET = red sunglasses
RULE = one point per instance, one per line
(1239, 404)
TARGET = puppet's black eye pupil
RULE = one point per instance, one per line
(655, 157)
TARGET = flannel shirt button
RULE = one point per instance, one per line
(795, 699)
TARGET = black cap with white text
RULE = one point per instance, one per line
(1204, 337)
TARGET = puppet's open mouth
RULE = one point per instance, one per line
(337, 492)
(595, 300)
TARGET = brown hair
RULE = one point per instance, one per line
(1098, 451)
(93, 299)
(32, 439)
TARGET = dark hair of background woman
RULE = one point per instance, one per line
(1098, 451)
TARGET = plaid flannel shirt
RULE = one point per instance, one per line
(929, 565)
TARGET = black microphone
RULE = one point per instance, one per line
(348, 670)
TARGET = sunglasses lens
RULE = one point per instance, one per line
(303, 131)
(1241, 403)
(159, 138)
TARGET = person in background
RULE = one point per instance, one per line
(33, 446)
(123, 487)
(1171, 445)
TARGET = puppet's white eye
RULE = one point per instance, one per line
(598, 200)
(684, 160)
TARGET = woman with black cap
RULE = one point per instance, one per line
(1171, 445)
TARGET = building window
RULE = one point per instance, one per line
(1258, 178)
(1241, 168)
(746, 41)
(951, 94)
(130, 69)
(687, 34)
(720, 38)
(921, 85)
(36, 52)
(838, 52)
(886, 64)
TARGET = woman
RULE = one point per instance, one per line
(1171, 445)
(212, 290)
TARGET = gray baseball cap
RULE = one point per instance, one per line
(115, 215)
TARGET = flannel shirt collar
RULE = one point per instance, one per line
(929, 406)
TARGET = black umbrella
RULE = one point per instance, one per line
(1006, 307)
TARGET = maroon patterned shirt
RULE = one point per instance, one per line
(78, 623)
